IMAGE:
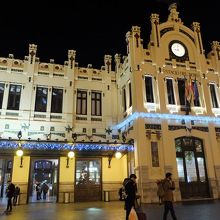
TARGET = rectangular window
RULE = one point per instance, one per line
(190, 166)
(180, 169)
(170, 92)
(201, 167)
(149, 89)
(41, 99)
(14, 97)
(213, 96)
(81, 105)
(57, 100)
(181, 89)
(124, 99)
(130, 95)
(154, 154)
(2, 88)
(96, 100)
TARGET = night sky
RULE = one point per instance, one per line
(92, 27)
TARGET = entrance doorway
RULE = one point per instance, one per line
(88, 180)
(191, 167)
(5, 174)
(43, 180)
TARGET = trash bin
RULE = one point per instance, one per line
(106, 196)
(66, 197)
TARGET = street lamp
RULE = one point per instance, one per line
(118, 155)
(20, 152)
(70, 155)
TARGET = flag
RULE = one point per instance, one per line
(186, 90)
(189, 93)
(196, 93)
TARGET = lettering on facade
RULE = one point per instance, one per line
(153, 126)
(204, 129)
(176, 127)
(174, 72)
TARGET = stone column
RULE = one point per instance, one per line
(66, 180)
(20, 176)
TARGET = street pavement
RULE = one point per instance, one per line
(204, 210)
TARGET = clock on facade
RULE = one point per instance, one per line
(178, 49)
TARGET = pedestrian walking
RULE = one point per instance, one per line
(169, 187)
(9, 193)
(38, 191)
(44, 189)
(16, 195)
(130, 190)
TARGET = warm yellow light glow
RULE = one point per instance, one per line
(19, 153)
(71, 154)
(118, 155)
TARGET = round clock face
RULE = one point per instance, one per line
(178, 49)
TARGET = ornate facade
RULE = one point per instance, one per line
(159, 107)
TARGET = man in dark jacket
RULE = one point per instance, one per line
(130, 190)
(168, 186)
(10, 193)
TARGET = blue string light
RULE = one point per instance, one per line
(8, 145)
(135, 115)
(62, 146)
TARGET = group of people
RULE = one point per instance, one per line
(11, 192)
(130, 197)
(41, 188)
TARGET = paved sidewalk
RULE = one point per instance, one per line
(196, 210)
(205, 210)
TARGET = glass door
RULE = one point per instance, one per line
(43, 180)
(88, 180)
(191, 167)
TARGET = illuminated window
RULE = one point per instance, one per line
(41, 99)
(181, 89)
(149, 89)
(130, 95)
(96, 100)
(170, 92)
(214, 96)
(154, 154)
(14, 97)
(57, 100)
(81, 106)
(124, 99)
(2, 87)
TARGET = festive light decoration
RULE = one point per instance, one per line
(134, 116)
(8, 144)
(63, 146)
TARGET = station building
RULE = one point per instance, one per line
(158, 106)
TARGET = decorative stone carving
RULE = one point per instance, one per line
(174, 14)
(196, 26)
(154, 17)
